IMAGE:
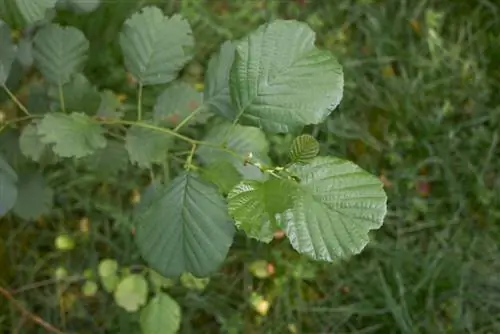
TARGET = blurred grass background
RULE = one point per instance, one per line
(421, 109)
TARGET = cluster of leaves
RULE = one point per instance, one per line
(274, 80)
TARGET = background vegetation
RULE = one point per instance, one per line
(421, 109)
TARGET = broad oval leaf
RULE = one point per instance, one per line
(240, 139)
(335, 207)
(35, 197)
(175, 103)
(132, 292)
(183, 227)
(304, 148)
(74, 135)
(79, 95)
(59, 52)
(147, 146)
(280, 81)
(253, 205)
(8, 187)
(31, 11)
(161, 315)
(216, 93)
(154, 46)
(7, 52)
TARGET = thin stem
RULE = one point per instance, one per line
(188, 118)
(61, 98)
(16, 100)
(50, 281)
(189, 159)
(16, 120)
(28, 314)
(139, 102)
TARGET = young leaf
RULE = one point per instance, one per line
(8, 187)
(216, 93)
(154, 46)
(79, 95)
(304, 149)
(7, 52)
(73, 135)
(59, 52)
(335, 207)
(31, 144)
(240, 139)
(161, 315)
(35, 197)
(132, 292)
(280, 81)
(176, 103)
(183, 226)
(146, 146)
(253, 205)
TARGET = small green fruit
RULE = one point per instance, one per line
(89, 289)
(64, 242)
(60, 273)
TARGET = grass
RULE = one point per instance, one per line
(420, 107)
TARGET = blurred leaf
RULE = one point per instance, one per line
(110, 106)
(132, 292)
(194, 283)
(8, 187)
(35, 197)
(107, 267)
(183, 227)
(25, 52)
(59, 52)
(161, 315)
(159, 281)
(280, 81)
(146, 146)
(85, 6)
(240, 139)
(335, 207)
(38, 99)
(223, 174)
(73, 135)
(154, 46)
(31, 144)
(304, 149)
(7, 52)
(216, 93)
(79, 95)
(30, 11)
(109, 160)
(253, 205)
(175, 103)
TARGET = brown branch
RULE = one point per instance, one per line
(28, 314)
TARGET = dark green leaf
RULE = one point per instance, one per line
(147, 146)
(7, 52)
(8, 187)
(35, 197)
(176, 103)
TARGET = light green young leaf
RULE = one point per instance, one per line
(59, 52)
(132, 292)
(176, 103)
(109, 160)
(240, 139)
(335, 207)
(35, 197)
(8, 187)
(107, 267)
(216, 93)
(74, 135)
(280, 81)
(146, 146)
(183, 227)
(7, 52)
(253, 205)
(79, 95)
(161, 315)
(154, 46)
(194, 283)
(159, 281)
(223, 174)
(304, 149)
(30, 142)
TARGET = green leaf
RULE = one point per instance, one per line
(107, 267)
(85, 6)
(7, 52)
(159, 281)
(110, 106)
(216, 93)
(183, 227)
(280, 81)
(161, 315)
(253, 205)
(176, 103)
(147, 146)
(74, 135)
(59, 52)
(30, 142)
(8, 187)
(30, 11)
(194, 283)
(223, 174)
(109, 160)
(79, 95)
(132, 292)
(24, 52)
(304, 149)
(240, 139)
(154, 46)
(335, 207)
(35, 197)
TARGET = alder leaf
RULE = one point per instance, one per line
(183, 227)
(304, 149)
(35, 197)
(155, 47)
(79, 95)
(280, 81)
(161, 315)
(132, 292)
(175, 103)
(147, 146)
